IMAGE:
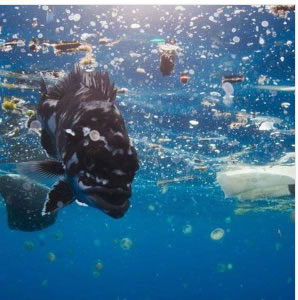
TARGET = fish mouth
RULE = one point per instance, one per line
(114, 202)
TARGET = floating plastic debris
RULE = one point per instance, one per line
(70, 47)
(215, 94)
(267, 126)
(157, 41)
(141, 70)
(135, 26)
(280, 10)
(201, 168)
(175, 180)
(8, 105)
(281, 88)
(257, 182)
(243, 207)
(184, 78)
(86, 36)
(233, 78)
(122, 90)
(168, 52)
(193, 122)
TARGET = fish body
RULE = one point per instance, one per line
(85, 134)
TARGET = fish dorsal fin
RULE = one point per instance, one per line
(43, 87)
(100, 85)
(69, 83)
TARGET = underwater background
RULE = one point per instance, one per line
(185, 133)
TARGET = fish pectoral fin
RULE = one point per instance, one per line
(58, 197)
(47, 143)
(40, 170)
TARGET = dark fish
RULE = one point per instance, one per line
(83, 130)
(233, 78)
(24, 201)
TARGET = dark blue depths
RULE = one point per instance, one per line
(255, 258)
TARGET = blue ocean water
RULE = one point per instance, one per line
(162, 248)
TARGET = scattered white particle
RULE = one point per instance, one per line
(215, 94)
(234, 29)
(94, 135)
(45, 7)
(211, 18)
(77, 17)
(20, 43)
(282, 58)
(236, 39)
(40, 35)
(194, 122)
(179, 8)
(135, 26)
(265, 24)
(261, 41)
(285, 104)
